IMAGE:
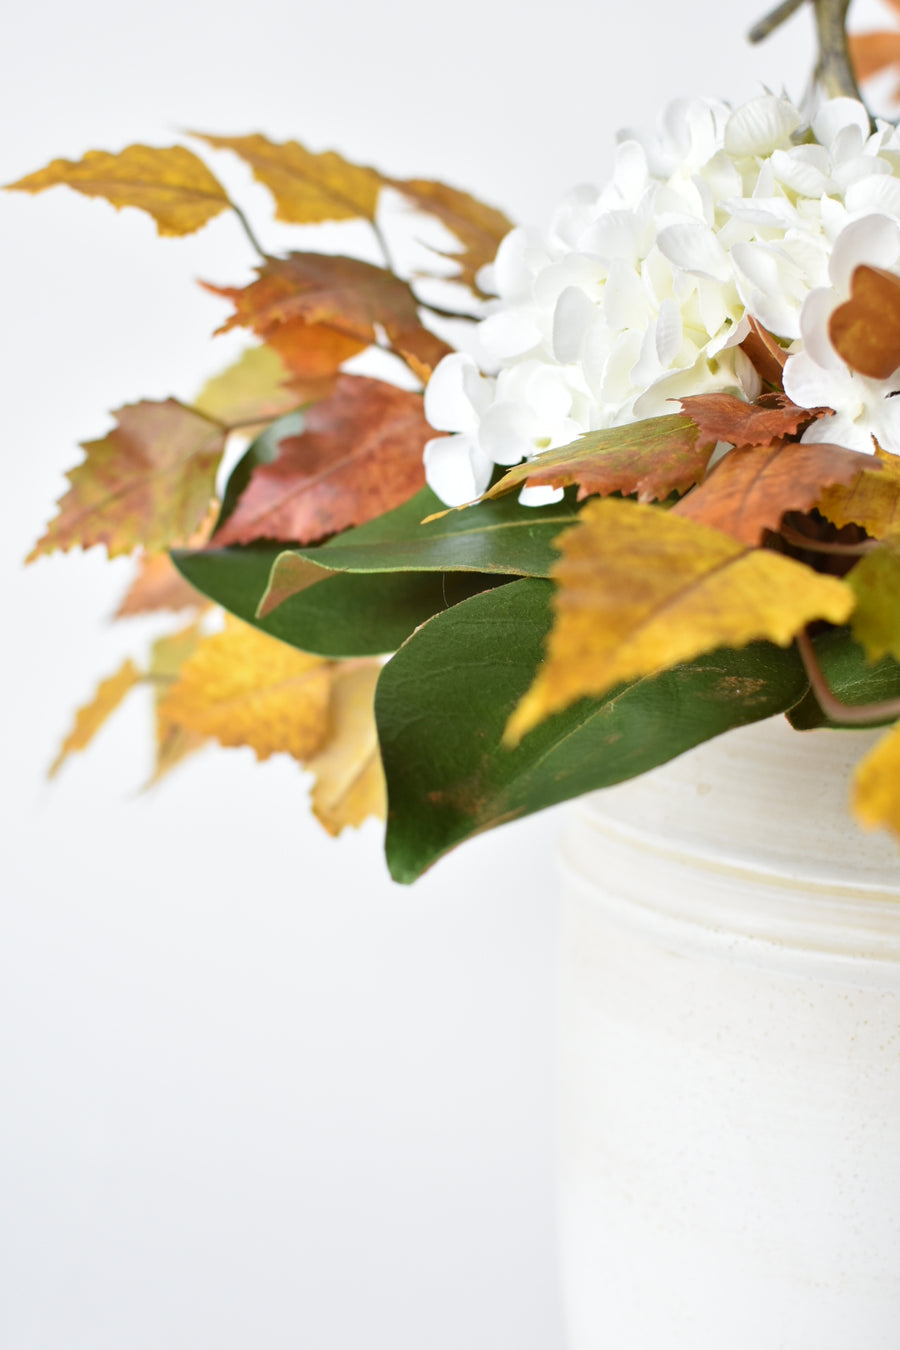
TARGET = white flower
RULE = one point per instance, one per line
(639, 293)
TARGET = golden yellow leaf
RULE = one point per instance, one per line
(873, 501)
(478, 227)
(173, 742)
(255, 386)
(875, 581)
(90, 718)
(246, 688)
(172, 185)
(349, 783)
(640, 591)
(876, 785)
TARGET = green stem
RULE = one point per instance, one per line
(248, 231)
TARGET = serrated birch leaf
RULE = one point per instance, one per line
(349, 784)
(751, 488)
(174, 743)
(875, 581)
(724, 417)
(150, 482)
(865, 330)
(158, 586)
(359, 455)
(640, 591)
(245, 688)
(172, 185)
(876, 785)
(872, 502)
(651, 459)
(91, 717)
(254, 387)
(478, 227)
(765, 353)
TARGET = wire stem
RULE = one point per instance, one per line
(861, 714)
(254, 242)
(820, 546)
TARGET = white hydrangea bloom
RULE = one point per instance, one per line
(640, 292)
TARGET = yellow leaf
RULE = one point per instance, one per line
(246, 688)
(172, 185)
(90, 718)
(876, 785)
(349, 778)
(873, 501)
(875, 581)
(253, 387)
(640, 591)
(173, 742)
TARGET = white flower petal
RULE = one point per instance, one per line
(540, 496)
(835, 115)
(456, 469)
(760, 126)
(873, 239)
(456, 394)
(875, 193)
(695, 249)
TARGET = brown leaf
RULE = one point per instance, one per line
(359, 456)
(653, 459)
(158, 585)
(91, 717)
(478, 227)
(872, 502)
(766, 354)
(349, 783)
(865, 330)
(172, 185)
(148, 483)
(751, 488)
(723, 417)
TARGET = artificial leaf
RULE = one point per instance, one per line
(876, 785)
(158, 585)
(254, 389)
(850, 676)
(172, 185)
(478, 227)
(349, 784)
(444, 699)
(359, 455)
(91, 717)
(875, 581)
(873, 52)
(751, 488)
(651, 459)
(765, 353)
(318, 310)
(174, 743)
(149, 482)
(724, 417)
(872, 502)
(245, 688)
(640, 590)
(865, 330)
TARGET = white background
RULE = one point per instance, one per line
(253, 1094)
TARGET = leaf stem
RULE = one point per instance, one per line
(799, 540)
(774, 19)
(860, 714)
(248, 231)
(381, 239)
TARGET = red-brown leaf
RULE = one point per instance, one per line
(766, 354)
(865, 330)
(359, 456)
(723, 417)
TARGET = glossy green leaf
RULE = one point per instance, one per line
(445, 697)
(851, 677)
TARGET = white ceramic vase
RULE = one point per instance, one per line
(730, 1075)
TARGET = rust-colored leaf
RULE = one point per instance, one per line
(91, 717)
(172, 185)
(865, 330)
(478, 227)
(148, 483)
(876, 785)
(349, 784)
(766, 354)
(158, 586)
(641, 590)
(174, 743)
(873, 52)
(750, 489)
(872, 502)
(724, 417)
(359, 455)
(651, 459)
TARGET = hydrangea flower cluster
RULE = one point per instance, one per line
(640, 293)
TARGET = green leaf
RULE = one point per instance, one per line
(850, 676)
(342, 615)
(445, 697)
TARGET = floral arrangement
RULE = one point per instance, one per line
(635, 483)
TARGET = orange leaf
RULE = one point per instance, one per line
(766, 354)
(723, 417)
(91, 717)
(172, 185)
(158, 585)
(653, 459)
(478, 227)
(359, 456)
(872, 52)
(751, 488)
(872, 502)
(149, 483)
(865, 329)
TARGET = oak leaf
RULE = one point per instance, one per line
(478, 227)
(251, 392)
(246, 688)
(640, 591)
(876, 785)
(349, 784)
(91, 717)
(751, 488)
(766, 354)
(359, 455)
(172, 185)
(652, 459)
(174, 743)
(872, 502)
(149, 482)
(875, 581)
(724, 417)
(865, 330)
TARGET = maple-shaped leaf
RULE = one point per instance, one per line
(865, 330)
(251, 392)
(875, 581)
(158, 586)
(174, 743)
(245, 688)
(724, 417)
(751, 489)
(478, 227)
(876, 785)
(149, 482)
(652, 459)
(172, 185)
(766, 354)
(640, 591)
(359, 455)
(349, 784)
(92, 715)
(317, 310)
(872, 502)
